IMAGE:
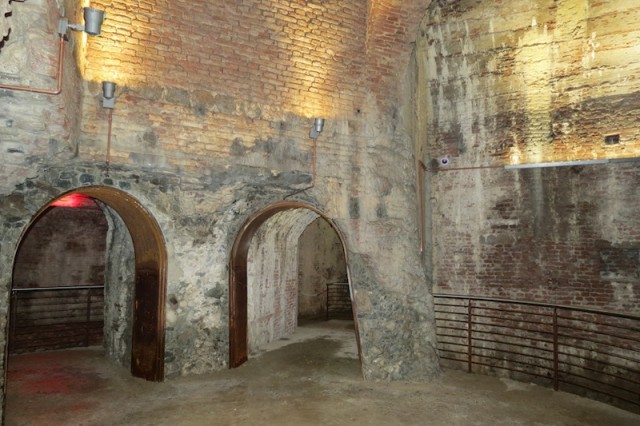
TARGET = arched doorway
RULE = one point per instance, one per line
(147, 318)
(301, 216)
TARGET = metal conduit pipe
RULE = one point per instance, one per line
(313, 171)
(421, 214)
(58, 88)
(538, 165)
(93, 21)
(108, 159)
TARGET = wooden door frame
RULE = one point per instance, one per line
(150, 274)
(238, 276)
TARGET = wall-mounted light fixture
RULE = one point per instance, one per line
(92, 22)
(318, 125)
(108, 94)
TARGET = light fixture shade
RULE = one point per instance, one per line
(316, 129)
(92, 20)
(108, 89)
(108, 94)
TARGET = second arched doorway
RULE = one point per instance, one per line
(286, 219)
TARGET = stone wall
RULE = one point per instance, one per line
(545, 82)
(211, 121)
(119, 284)
(34, 128)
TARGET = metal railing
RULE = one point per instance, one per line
(55, 317)
(339, 301)
(590, 352)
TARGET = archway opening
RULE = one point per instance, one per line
(133, 273)
(57, 293)
(323, 282)
(266, 289)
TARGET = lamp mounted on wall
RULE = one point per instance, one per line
(318, 125)
(108, 94)
(316, 129)
(92, 22)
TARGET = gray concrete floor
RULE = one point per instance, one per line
(312, 378)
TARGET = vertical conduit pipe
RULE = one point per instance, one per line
(108, 155)
(313, 171)
(58, 88)
(420, 188)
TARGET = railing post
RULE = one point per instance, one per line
(13, 314)
(469, 334)
(87, 327)
(327, 301)
(555, 349)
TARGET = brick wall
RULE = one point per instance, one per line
(35, 127)
(561, 236)
(392, 28)
(203, 81)
(301, 55)
(544, 82)
(65, 247)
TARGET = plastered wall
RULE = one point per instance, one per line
(545, 81)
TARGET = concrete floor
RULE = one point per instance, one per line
(313, 378)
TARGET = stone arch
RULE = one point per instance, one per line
(148, 337)
(238, 275)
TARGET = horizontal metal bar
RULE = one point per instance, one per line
(453, 344)
(475, 330)
(604, 324)
(604, 373)
(516, 370)
(597, 352)
(510, 318)
(60, 288)
(600, 391)
(607, 363)
(568, 373)
(511, 353)
(453, 326)
(453, 359)
(546, 305)
(555, 164)
(453, 335)
(542, 367)
(514, 344)
(548, 324)
(597, 342)
(570, 163)
(591, 331)
(452, 351)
